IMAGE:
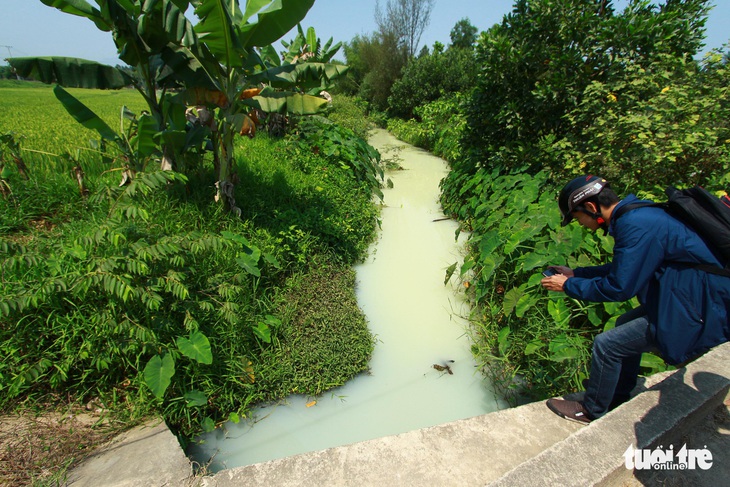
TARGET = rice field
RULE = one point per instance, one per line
(45, 130)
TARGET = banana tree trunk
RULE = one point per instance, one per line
(225, 187)
(168, 158)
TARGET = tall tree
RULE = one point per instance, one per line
(538, 63)
(407, 19)
(464, 34)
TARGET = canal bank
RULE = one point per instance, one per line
(422, 372)
(527, 445)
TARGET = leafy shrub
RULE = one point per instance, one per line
(520, 331)
(429, 77)
(537, 65)
(666, 123)
(349, 112)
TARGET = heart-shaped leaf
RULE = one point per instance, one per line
(158, 374)
(197, 347)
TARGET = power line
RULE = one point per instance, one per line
(10, 54)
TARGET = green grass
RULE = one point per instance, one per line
(97, 289)
(47, 130)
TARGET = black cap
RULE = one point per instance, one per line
(576, 191)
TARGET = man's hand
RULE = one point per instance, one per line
(566, 271)
(556, 282)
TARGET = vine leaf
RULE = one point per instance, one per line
(511, 298)
(449, 272)
(560, 312)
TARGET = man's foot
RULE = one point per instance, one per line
(572, 410)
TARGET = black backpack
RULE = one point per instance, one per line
(705, 213)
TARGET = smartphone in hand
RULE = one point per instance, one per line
(549, 272)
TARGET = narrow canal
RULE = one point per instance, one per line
(418, 324)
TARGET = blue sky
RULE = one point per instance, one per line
(30, 28)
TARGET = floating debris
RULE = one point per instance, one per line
(445, 367)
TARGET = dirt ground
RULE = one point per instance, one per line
(38, 448)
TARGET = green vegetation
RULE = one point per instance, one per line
(149, 298)
(223, 68)
(143, 295)
(564, 89)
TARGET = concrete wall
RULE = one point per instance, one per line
(667, 413)
(523, 446)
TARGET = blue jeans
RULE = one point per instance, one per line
(615, 362)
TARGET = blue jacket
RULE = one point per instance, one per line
(688, 309)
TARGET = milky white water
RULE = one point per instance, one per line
(417, 321)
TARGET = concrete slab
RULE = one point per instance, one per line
(527, 445)
(471, 451)
(659, 417)
(148, 455)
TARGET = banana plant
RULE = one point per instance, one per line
(142, 31)
(218, 55)
(223, 60)
(136, 140)
(306, 65)
(308, 47)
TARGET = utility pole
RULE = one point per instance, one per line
(10, 54)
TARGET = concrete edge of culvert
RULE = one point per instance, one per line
(657, 418)
(148, 454)
(526, 445)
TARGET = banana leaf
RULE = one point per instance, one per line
(177, 26)
(158, 24)
(144, 139)
(272, 23)
(282, 102)
(83, 114)
(70, 72)
(270, 56)
(313, 41)
(82, 9)
(218, 29)
(303, 75)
